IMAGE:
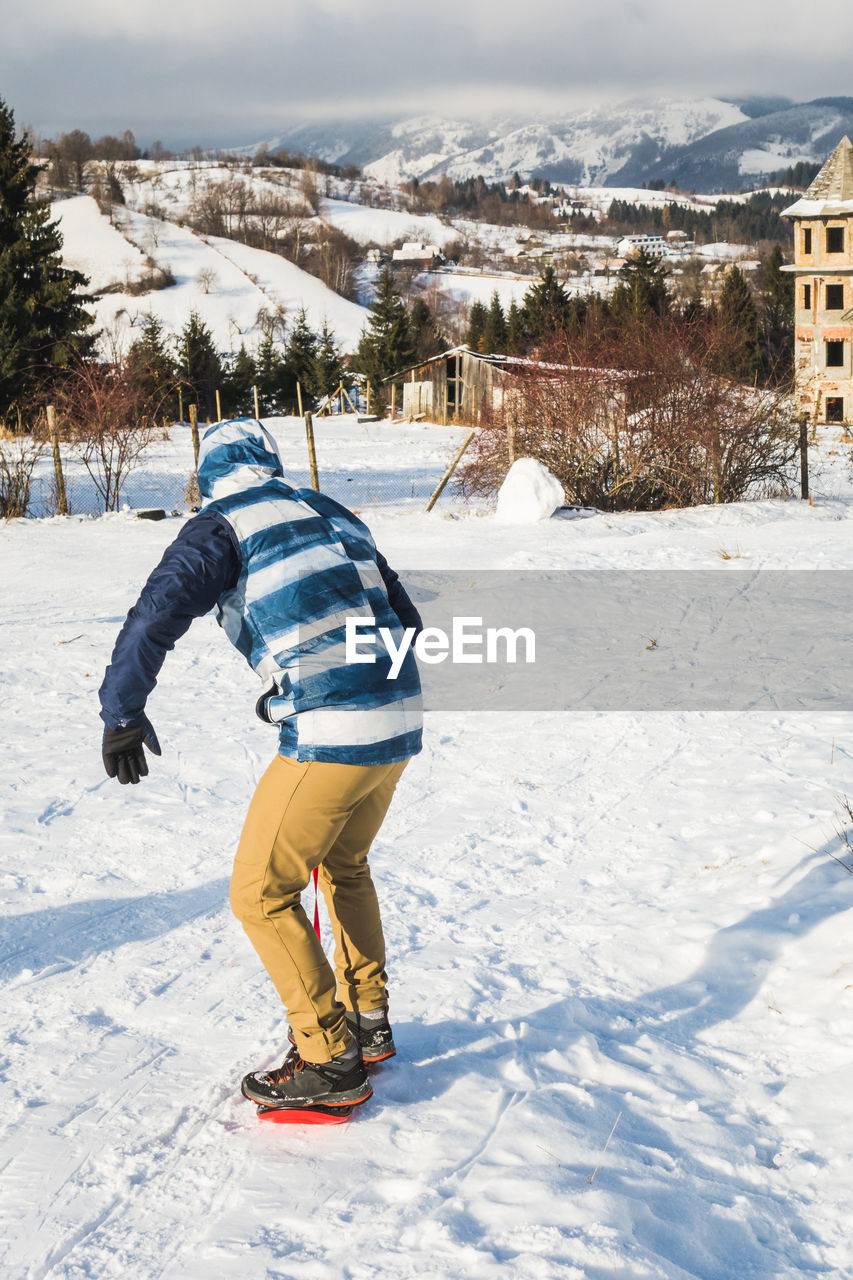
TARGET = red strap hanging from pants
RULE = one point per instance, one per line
(316, 906)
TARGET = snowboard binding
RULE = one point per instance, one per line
(315, 1114)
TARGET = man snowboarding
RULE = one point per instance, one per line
(284, 569)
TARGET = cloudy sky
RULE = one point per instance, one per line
(235, 71)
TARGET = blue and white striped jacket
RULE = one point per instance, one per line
(307, 563)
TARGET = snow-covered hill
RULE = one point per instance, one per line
(708, 143)
(584, 147)
(742, 154)
(233, 287)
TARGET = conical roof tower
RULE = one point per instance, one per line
(832, 190)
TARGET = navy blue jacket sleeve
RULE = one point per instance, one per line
(196, 569)
(398, 596)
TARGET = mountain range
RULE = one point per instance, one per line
(707, 144)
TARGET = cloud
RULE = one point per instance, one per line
(216, 71)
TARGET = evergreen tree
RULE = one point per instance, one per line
(42, 316)
(546, 307)
(494, 333)
(641, 288)
(328, 368)
(739, 320)
(477, 317)
(238, 379)
(152, 363)
(274, 378)
(301, 351)
(777, 317)
(200, 370)
(516, 335)
(428, 341)
(386, 345)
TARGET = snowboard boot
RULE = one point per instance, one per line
(371, 1034)
(298, 1084)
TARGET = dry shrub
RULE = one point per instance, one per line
(18, 458)
(638, 420)
(108, 415)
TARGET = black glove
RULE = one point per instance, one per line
(122, 751)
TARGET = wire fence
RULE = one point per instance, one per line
(362, 464)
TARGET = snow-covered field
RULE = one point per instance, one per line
(594, 920)
(383, 226)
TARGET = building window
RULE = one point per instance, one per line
(834, 409)
(807, 239)
(835, 297)
(835, 355)
(807, 297)
(834, 239)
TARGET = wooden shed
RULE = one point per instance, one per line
(461, 385)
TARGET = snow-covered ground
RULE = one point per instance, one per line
(364, 465)
(383, 226)
(91, 244)
(623, 926)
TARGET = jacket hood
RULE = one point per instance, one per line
(236, 455)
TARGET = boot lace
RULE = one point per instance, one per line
(292, 1064)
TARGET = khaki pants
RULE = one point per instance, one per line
(302, 816)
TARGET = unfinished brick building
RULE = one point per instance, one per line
(823, 265)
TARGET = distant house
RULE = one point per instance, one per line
(823, 306)
(415, 254)
(630, 246)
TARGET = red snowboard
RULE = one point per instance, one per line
(305, 1115)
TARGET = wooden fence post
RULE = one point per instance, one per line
(393, 400)
(181, 405)
(218, 407)
(61, 496)
(510, 440)
(194, 430)
(804, 458)
(368, 397)
(312, 454)
(257, 407)
(299, 397)
(449, 472)
(349, 402)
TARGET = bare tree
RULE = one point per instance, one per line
(207, 278)
(109, 416)
(76, 150)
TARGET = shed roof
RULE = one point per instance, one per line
(518, 362)
(832, 190)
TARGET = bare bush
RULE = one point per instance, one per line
(18, 458)
(152, 280)
(108, 415)
(639, 421)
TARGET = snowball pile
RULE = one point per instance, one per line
(528, 493)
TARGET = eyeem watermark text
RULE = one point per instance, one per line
(468, 642)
